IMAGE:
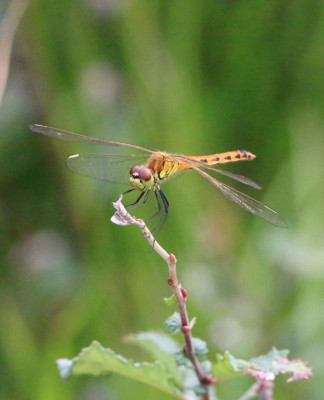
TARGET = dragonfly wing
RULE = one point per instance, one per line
(76, 137)
(246, 202)
(107, 167)
(231, 175)
(239, 178)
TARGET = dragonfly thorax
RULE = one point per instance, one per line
(141, 178)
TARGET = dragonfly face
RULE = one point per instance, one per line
(141, 178)
(148, 170)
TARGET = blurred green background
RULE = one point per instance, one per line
(192, 77)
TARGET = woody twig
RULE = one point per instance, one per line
(122, 217)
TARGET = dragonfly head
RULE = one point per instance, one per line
(141, 178)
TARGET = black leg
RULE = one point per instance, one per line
(146, 196)
(161, 213)
(159, 205)
(165, 202)
(166, 208)
(136, 201)
(139, 201)
(128, 191)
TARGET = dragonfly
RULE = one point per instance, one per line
(149, 170)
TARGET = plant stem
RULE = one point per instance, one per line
(205, 380)
(122, 217)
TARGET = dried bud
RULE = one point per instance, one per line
(185, 329)
(172, 258)
(208, 380)
(184, 293)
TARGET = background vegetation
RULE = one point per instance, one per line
(191, 77)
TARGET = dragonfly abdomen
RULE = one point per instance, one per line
(221, 158)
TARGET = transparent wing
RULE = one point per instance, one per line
(106, 167)
(76, 137)
(231, 175)
(246, 202)
(239, 178)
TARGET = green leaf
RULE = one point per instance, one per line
(162, 347)
(264, 367)
(173, 323)
(96, 360)
(168, 351)
(154, 343)
(206, 367)
(183, 360)
(227, 366)
(276, 362)
(200, 347)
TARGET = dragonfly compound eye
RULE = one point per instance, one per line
(144, 174)
(134, 170)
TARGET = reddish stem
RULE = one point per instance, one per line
(189, 350)
(122, 217)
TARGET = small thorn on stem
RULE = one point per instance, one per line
(184, 293)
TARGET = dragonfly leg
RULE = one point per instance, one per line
(165, 209)
(146, 196)
(161, 213)
(139, 201)
(128, 191)
(158, 203)
(165, 202)
(136, 201)
(159, 195)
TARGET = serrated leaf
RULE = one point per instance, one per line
(200, 347)
(97, 360)
(276, 362)
(162, 347)
(173, 323)
(227, 366)
(182, 360)
(206, 367)
(165, 349)
(264, 367)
